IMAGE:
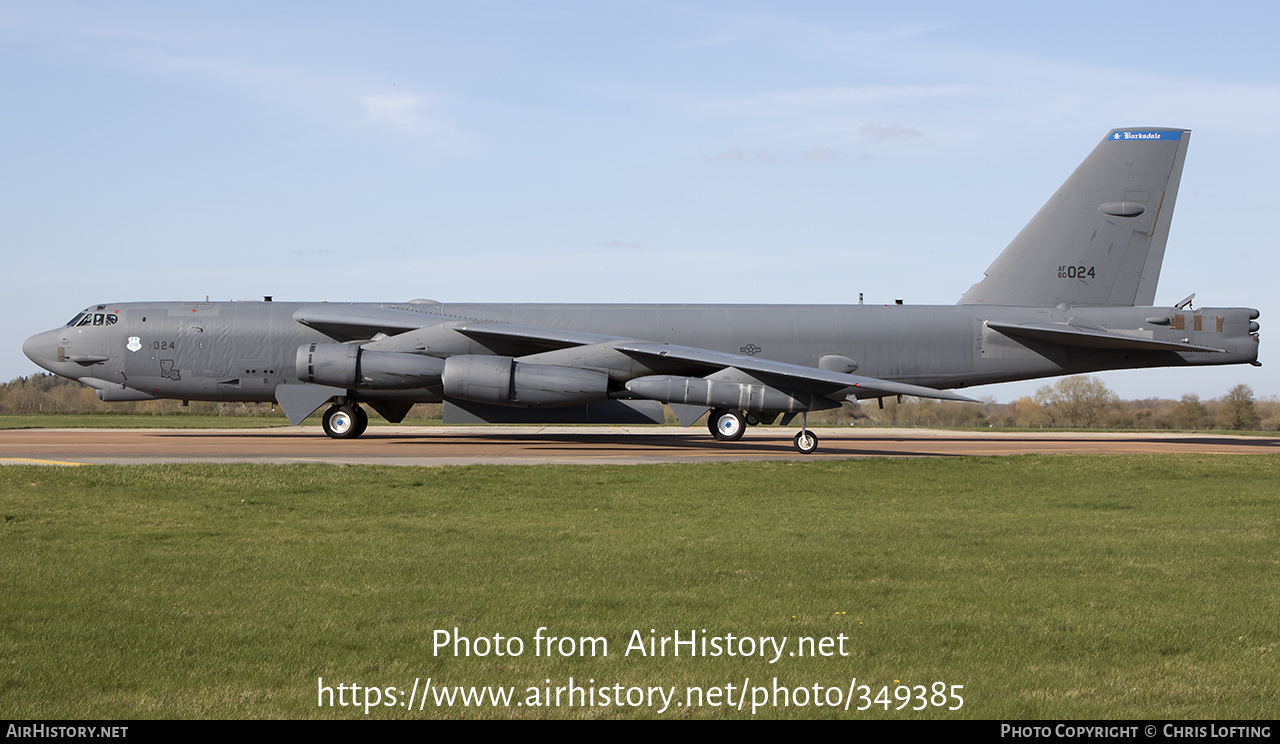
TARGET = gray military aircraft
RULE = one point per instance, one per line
(1070, 294)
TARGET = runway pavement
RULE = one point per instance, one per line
(529, 445)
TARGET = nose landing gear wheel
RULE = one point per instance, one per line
(346, 421)
(726, 425)
(806, 442)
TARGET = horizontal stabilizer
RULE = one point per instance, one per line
(1069, 335)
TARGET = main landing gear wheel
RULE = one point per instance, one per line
(362, 419)
(806, 442)
(345, 421)
(726, 425)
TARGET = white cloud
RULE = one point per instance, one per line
(889, 132)
(825, 99)
(820, 154)
(404, 111)
(761, 154)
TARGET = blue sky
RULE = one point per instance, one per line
(619, 152)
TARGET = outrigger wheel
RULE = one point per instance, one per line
(345, 421)
(806, 441)
(726, 425)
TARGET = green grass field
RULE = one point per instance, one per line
(1048, 586)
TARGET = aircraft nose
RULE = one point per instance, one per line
(42, 349)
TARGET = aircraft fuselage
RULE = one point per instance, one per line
(241, 351)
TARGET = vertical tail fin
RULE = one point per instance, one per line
(1100, 239)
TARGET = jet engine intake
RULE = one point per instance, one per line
(503, 381)
(744, 396)
(350, 366)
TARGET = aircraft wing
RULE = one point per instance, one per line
(348, 322)
(796, 376)
(1090, 338)
(541, 339)
(358, 322)
(345, 322)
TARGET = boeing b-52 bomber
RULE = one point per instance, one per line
(1070, 294)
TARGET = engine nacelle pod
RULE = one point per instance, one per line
(350, 366)
(505, 382)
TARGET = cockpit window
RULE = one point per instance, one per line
(93, 319)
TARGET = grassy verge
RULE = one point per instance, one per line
(136, 421)
(1050, 587)
(168, 421)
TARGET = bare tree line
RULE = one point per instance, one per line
(1085, 402)
(1071, 402)
(50, 394)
